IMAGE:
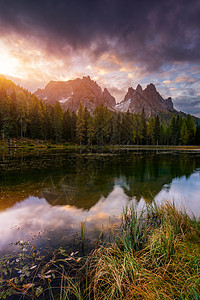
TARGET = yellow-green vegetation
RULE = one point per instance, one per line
(27, 144)
(157, 257)
(155, 254)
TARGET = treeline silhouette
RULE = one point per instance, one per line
(24, 115)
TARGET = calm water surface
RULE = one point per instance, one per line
(44, 197)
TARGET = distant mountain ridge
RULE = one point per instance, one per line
(89, 93)
(86, 91)
(71, 93)
(148, 100)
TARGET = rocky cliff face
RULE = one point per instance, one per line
(71, 93)
(148, 99)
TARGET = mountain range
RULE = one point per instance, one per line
(89, 93)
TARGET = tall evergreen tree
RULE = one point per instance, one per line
(101, 119)
(184, 135)
(150, 131)
(22, 112)
(173, 131)
(81, 125)
(197, 135)
(36, 119)
(57, 122)
(191, 129)
(157, 130)
(66, 127)
(144, 128)
(90, 130)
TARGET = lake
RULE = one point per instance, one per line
(46, 196)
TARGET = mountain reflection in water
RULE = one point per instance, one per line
(26, 219)
(45, 198)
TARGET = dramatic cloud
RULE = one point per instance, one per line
(118, 43)
(150, 32)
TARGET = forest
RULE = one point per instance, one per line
(22, 114)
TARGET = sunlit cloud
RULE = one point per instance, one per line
(184, 79)
(119, 47)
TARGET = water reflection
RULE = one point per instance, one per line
(185, 191)
(44, 198)
(34, 219)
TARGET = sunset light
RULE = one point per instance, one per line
(99, 149)
(8, 64)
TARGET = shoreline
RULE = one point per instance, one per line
(29, 144)
(154, 255)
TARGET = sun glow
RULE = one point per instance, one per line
(8, 64)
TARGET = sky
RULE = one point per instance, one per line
(118, 43)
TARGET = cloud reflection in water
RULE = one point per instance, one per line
(26, 219)
(35, 219)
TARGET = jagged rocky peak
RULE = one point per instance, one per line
(131, 90)
(70, 93)
(108, 97)
(148, 99)
(106, 92)
(169, 103)
(139, 88)
(130, 94)
(151, 87)
(87, 78)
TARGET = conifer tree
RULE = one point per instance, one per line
(73, 127)
(184, 135)
(90, 130)
(101, 119)
(6, 121)
(157, 130)
(191, 129)
(57, 122)
(66, 127)
(80, 125)
(197, 135)
(36, 119)
(144, 128)
(173, 130)
(150, 131)
(22, 112)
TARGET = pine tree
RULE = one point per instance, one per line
(101, 119)
(5, 116)
(137, 129)
(191, 129)
(36, 119)
(57, 122)
(80, 125)
(173, 130)
(144, 128)
(157, 130)
(197, 135)
(22, 112)
(150, 131)
(90, 130)
(73, 127)
(184, 135)
(47, 124)
(66, 127)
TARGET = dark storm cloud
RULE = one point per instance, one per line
(190, 105)
(149, 32)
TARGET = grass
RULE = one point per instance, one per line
(155, 254)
